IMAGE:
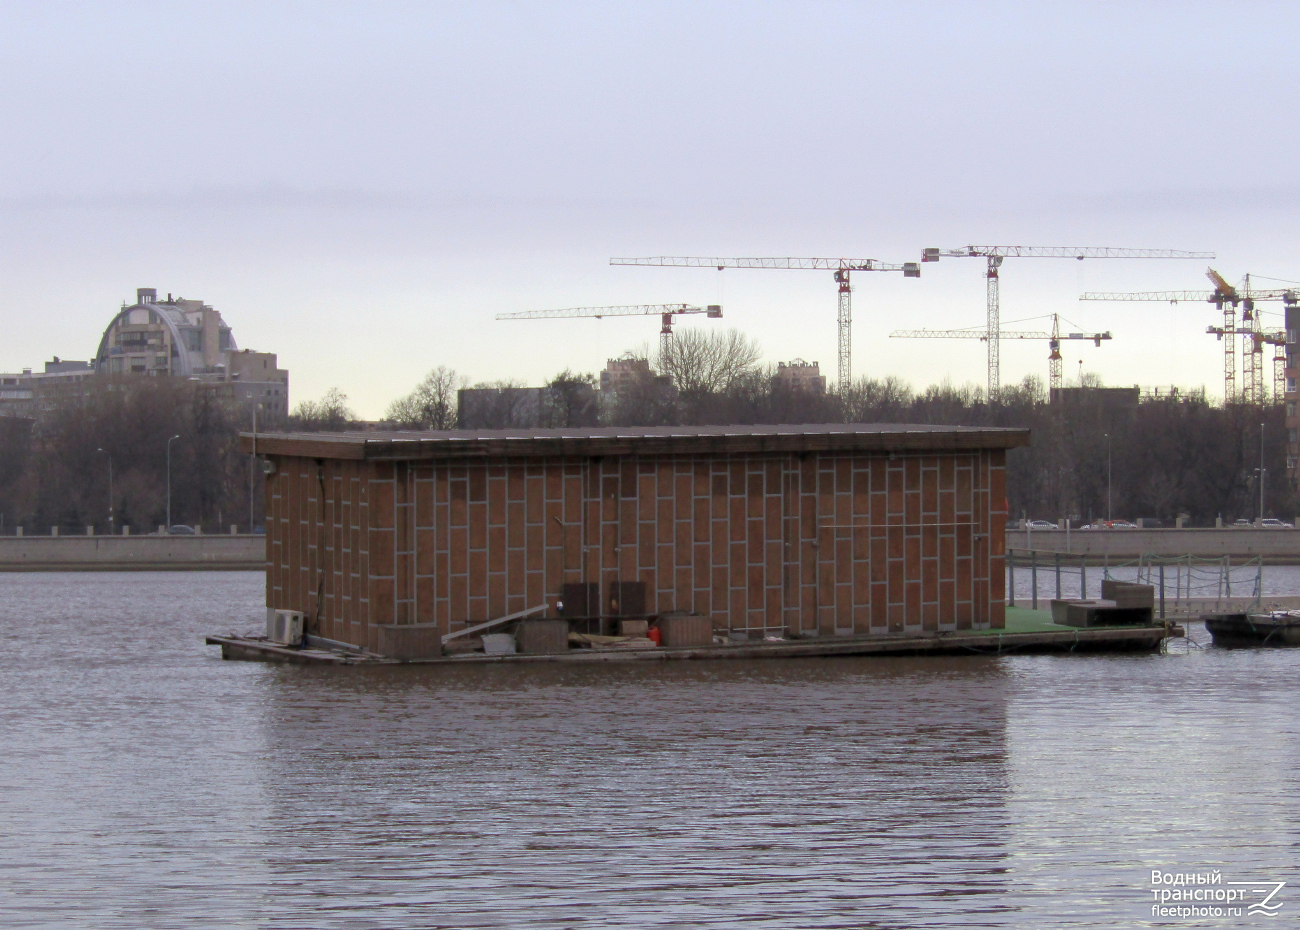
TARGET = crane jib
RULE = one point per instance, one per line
(842, 267)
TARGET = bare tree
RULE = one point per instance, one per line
(872, 401)
(129, 419)
(329, 414)
(703, 363)
(432, 405)
(1150, 457)
(641, 396)
(572, 400)
(15, 447)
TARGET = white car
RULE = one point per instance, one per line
(1041, 525)
(1272, 524)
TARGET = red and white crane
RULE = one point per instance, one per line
(1055, 364)
(994, 254)
(665, 312)
(842, 267)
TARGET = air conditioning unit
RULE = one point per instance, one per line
(285, 627)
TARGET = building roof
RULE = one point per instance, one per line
(637, 440)
(176, 317)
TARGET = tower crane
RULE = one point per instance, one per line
(842, 267)
(1227, 298)
(994, 254)
(665, 312)
(1055, 364)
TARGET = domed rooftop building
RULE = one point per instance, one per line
(183, 338)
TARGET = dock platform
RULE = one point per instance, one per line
(1026, 631)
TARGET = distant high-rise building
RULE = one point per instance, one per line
(620, 370)
(801, 375)
(189, 339)
(22, 393)
(560, 404)
(176, 338)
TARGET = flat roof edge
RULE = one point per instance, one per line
(294, 444)
(441, 446)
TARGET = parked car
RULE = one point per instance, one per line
(180, 529)
(1272, 524)
(1110, 525)
(1242, 522)
(1042, 525)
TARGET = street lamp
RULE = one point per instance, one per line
(252, 470)
(1261, 473)
(169, 482)
(110, 490)
(1108, 481)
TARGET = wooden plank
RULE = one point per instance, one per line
(491, 623)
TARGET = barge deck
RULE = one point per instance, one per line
(1026, 631)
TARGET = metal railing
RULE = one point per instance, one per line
(1184, 584)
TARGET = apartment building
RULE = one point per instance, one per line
(184, 338)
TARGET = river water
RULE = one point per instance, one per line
(146, 783)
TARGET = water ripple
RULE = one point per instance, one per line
(148, 784)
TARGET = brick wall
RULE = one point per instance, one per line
(824, 543)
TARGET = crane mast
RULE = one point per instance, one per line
(994, 254)
(842, 268)
(845, 342)
(1056, 364)
(994, 327)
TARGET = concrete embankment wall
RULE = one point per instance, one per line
(1276, 546)
(131, 553)
(116, 553)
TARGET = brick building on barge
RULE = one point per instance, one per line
(385, 540)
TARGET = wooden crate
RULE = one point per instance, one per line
(684, 632)
(1129, 596)
(543, 637)
(409, 640)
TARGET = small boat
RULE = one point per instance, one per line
(1247, 630)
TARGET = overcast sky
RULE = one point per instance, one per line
(361, 187)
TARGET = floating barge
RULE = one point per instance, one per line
(390, 542)
(1025, 632)
(1278, 628)
(733, 541)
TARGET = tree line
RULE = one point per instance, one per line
(56, 468)
(1088, 458)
